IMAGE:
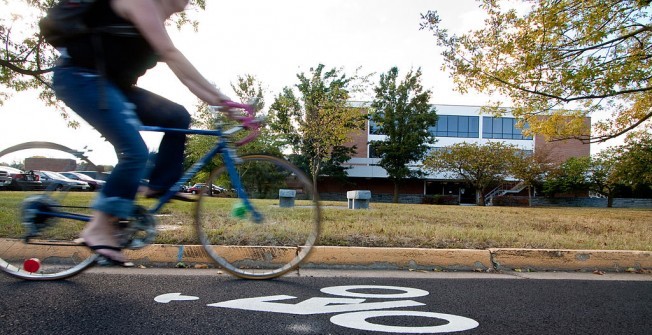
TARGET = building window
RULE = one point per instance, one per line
(456, 126)
(502, 128)
(374, 129)
(372, 151)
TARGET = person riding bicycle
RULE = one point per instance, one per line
(96, 77)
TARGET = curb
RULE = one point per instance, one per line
(330, 257)
(498, 259)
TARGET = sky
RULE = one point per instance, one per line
(274, 41)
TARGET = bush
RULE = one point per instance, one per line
(441, 200)
(504, 200)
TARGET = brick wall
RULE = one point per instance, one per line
(359, 139)
(560, 151)
(50, 164)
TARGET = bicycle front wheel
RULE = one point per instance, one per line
(265, 230)
(42, 219)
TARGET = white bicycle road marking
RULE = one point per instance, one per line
(312, 305)
(343, 291)
(166, 298)
(358, 320)
(351, 312)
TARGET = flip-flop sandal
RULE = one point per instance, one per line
(106, 260)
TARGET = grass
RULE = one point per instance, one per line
(426, 226)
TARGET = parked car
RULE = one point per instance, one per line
(94, 174)
(56, 181)
(5, 178)
(19, 180)
(195, 189)
(93, 183)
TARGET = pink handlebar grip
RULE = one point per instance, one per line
(249, 121)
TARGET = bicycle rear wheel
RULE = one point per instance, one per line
(39, 228)
(273, 234)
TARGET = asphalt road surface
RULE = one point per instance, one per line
(165, 301)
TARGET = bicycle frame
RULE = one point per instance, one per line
(221, 147)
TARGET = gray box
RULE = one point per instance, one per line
(286, 198)
(358, 199)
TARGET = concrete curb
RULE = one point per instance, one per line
(571, 260)
(329, 257)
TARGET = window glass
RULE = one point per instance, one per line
(456, 126)
(463, 125)
(502, 128)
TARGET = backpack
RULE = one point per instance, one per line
(67, 20)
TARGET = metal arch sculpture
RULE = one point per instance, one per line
(49, 145)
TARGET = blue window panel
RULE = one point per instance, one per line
(452, 124)
(487, 127)
(497, 126)
(508, 126)
(474, 124)
(442, 124)
(463, 126)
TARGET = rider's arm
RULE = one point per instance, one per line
(149, 18)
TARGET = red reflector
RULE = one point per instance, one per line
(32, 265)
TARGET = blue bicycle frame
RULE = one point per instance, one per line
(228, 157)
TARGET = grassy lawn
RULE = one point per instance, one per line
(429, 226)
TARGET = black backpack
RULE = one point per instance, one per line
(67, 19)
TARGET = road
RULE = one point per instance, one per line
(176, 301)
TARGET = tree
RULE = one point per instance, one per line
(635, 160)
(402, 113)
(570, 177)
(604, 176)
(478, 165)
(531, 169)
(318, 122)
(246, 88)
(27, 60)
(558, 62)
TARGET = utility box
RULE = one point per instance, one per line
(358, 199)
(286, 198)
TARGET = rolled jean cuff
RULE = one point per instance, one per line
(116, 206)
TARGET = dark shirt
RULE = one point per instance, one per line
(125, 57)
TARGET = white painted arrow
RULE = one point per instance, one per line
(165, 298)
(312, 305)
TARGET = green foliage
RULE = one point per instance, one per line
(320, 119)
(402, 113)
(246, 88)
(562, 59)
(479, 165)
(570, 177)
(532, 169)
(635, 160)
(610, 171)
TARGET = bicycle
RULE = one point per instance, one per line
(245, 228)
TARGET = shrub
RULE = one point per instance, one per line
(510, 201)
(441, 200)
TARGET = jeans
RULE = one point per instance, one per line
(117, 114)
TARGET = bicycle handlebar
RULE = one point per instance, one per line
(247, 121)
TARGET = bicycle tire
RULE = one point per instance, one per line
(287, 232)
(37, 244)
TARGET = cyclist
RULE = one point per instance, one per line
(96, 77)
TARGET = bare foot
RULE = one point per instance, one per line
(101, 231)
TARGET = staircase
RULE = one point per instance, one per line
(501, 190)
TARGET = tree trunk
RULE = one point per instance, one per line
(610, 200)
(529, 196)
(479, 198)
(395, 200)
